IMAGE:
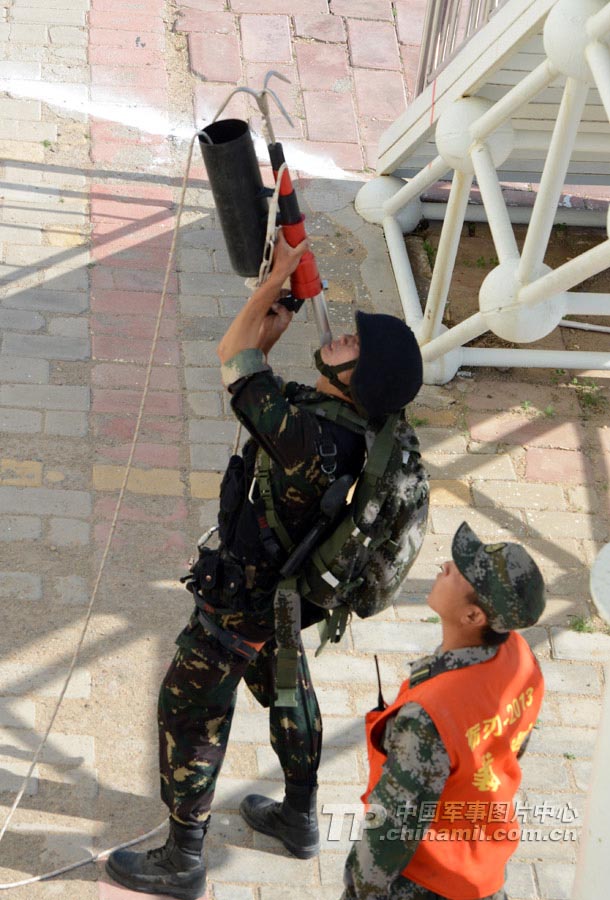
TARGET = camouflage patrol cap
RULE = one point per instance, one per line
(509, 585)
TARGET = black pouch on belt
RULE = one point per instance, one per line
(233, 587)
(216, 581)
(204, 575)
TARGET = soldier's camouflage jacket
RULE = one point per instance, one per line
(414, 775)
(292, 437)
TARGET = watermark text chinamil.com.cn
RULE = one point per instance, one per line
(457, 821)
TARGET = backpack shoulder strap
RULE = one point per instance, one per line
(341, 414)
(331, 410)
(326, 407)
(377, 461)
(263, 479)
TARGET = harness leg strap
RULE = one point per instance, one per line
(229, 640)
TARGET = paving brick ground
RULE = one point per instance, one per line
(88, 207)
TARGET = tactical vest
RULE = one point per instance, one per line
(251, 530)
(483, 713)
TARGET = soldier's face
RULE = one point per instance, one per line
(451, 594)
(341, 350)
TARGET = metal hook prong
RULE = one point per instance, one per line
(279, 75)
(239, 90)
(262, 102)
(281, 105)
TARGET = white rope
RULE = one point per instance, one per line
(128, 466)
(83, 862)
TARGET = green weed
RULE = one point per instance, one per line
(582, 625)
(482, 262)
(590, 395)
(430, 253)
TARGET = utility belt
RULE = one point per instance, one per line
(229, 639)
(220, 582)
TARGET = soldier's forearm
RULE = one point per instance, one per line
(243, 332)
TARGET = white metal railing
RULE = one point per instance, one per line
(521, 300)
(448, 24)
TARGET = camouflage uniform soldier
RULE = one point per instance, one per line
(231, 634)
(444, 756)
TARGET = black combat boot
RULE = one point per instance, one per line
(294, 821)
(176, 869)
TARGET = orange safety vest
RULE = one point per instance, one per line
(483, 713)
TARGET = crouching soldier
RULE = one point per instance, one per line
(444, 756)
(231, 634)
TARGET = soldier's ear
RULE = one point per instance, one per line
(474, 616)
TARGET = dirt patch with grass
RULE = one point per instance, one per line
(475, 260)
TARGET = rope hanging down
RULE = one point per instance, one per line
(113, 525)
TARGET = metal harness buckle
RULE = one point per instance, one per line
(328, 452)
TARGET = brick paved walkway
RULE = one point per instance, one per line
(87, 211)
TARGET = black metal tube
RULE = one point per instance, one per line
(239, 194)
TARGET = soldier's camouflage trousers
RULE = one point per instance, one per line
(196, 704)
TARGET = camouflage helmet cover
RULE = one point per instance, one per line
(508, 583)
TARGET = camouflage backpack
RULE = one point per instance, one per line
(358, 567)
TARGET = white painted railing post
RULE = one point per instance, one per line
(598, 57)
(497, 213)
(521, 300)
(446, 253)
(592, 880)
(553, 179)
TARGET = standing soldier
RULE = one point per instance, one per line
(444, 756)
(231, 634)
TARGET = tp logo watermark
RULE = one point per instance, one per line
(454, 820)
(374, 817)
